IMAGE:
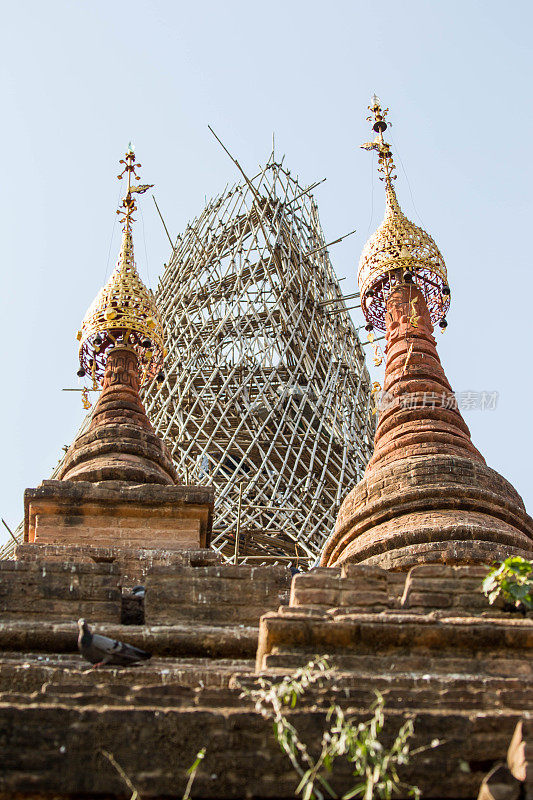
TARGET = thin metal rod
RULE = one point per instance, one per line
(246, 178)
(238, 529)
(163, 221)
(274, 508)
(272, 558)
(6, 526)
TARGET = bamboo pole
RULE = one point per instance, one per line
(6, 526)
(238, 528)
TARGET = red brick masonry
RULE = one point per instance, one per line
(120, 443)
(427, 494)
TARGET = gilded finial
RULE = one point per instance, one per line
(124, 312)
(399, 251)
(385, 161)
(128, 205)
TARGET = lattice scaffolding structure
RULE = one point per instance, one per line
(266, 394)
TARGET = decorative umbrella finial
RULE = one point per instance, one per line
(399, 251)
(124, 311)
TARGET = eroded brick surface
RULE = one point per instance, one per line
(134, 563)
(111, 514)
(50, 591)
(427, 641)
(120, 443)
(427, 494)
(224, 594)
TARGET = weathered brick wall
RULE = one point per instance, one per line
(52, 591)
(138, 528)
(148, 516)
(439, 589)
(58, 744)
(224, 594)
(434, 617)
(133, 563)
(464, 674)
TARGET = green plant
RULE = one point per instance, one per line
(374, 767)
(513, 580)
(135, 795)
(191, 772)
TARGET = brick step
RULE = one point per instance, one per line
(289, 638)
(194, 640)
(27, 673)
(175, 696)
(58, 748)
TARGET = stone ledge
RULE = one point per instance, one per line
(145, 493)
(51, 590)
(227, 594)
(385, 633)
(133, 563)
(444, 590)
(44, 567)
(209, 641)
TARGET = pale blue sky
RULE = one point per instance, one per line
(80, 79)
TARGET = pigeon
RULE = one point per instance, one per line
(101, 650)
(294, 571)
(138, 591)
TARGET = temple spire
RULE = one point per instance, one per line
(427, 494)
(121, 346)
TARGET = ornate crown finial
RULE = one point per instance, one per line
(399, 251)
(385, 161)
(124, 311)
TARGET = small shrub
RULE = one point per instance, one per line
(374, 767)
(513, 581)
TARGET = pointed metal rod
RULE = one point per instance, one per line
(163, 221)
(243, 173)
(339, 310)
(232, 158)
(238, 529)
(246, 178)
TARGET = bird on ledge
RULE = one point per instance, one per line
(101, 650)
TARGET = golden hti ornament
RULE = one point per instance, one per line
(124, 311)
(399, 251)
(86, 403)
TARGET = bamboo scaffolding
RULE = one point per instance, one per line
(265, 390)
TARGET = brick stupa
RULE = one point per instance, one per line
(427, 494)
(117, 484)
